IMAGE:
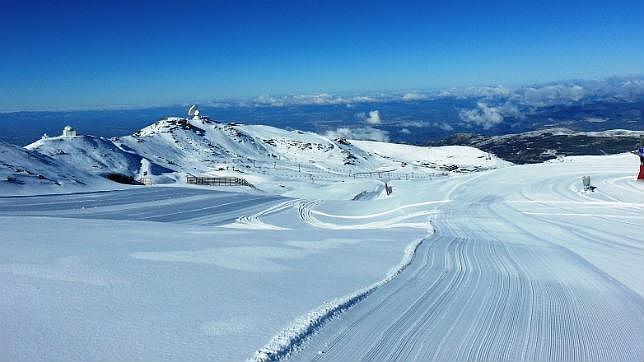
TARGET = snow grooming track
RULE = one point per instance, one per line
(290, 338)
(306, 214)
(497, 284)
(254, 221)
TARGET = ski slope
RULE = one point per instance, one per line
(170, 273)
(177, 205)
(516, 263)
(523, 266)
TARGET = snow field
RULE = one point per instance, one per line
(155, 273)
(523, 264)
(510, 274)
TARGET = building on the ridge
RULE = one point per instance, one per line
(193, 112)
(68, 131)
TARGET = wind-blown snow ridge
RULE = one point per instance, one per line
(290, 338)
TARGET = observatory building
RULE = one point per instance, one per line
(68, 131)
(193, 111)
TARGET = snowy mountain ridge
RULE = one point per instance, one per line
(21, 169)
(92, 154)
(199, 143)
(199, 146)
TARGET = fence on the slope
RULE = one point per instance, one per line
(321, 175)
(312, 171)
(217, 181)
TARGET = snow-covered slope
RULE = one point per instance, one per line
(464, 157)
(200, 145)
(27, 171)
(203, 146)
(88, 153)
(524, 265)
(278, 160)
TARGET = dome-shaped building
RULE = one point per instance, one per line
(68, 131)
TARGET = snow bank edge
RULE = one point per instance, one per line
(287, 341)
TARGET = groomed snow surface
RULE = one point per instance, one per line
(510, 264)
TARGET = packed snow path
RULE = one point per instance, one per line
(533, 272)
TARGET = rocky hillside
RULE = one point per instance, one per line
(539, 146)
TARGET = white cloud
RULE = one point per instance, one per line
(363, 133)
(550, 95)
(313, 98)
(444, 126)
(416, 124)
(488, 92)
(363, 99)
(483, 115)
(413, 96)
(405, 131)
(374, 117)
(300, 99)
(498, 91)
(526, 97)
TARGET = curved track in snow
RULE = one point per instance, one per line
(501, 281)
(159, 204)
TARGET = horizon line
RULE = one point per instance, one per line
(241, 100)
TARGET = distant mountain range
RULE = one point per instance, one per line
(539, 146)
(413, 117)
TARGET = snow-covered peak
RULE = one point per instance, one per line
(165, 125)
(88, 153)
(201, 146)
(198, 144)
(24, 171)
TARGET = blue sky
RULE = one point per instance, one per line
(80, 54)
